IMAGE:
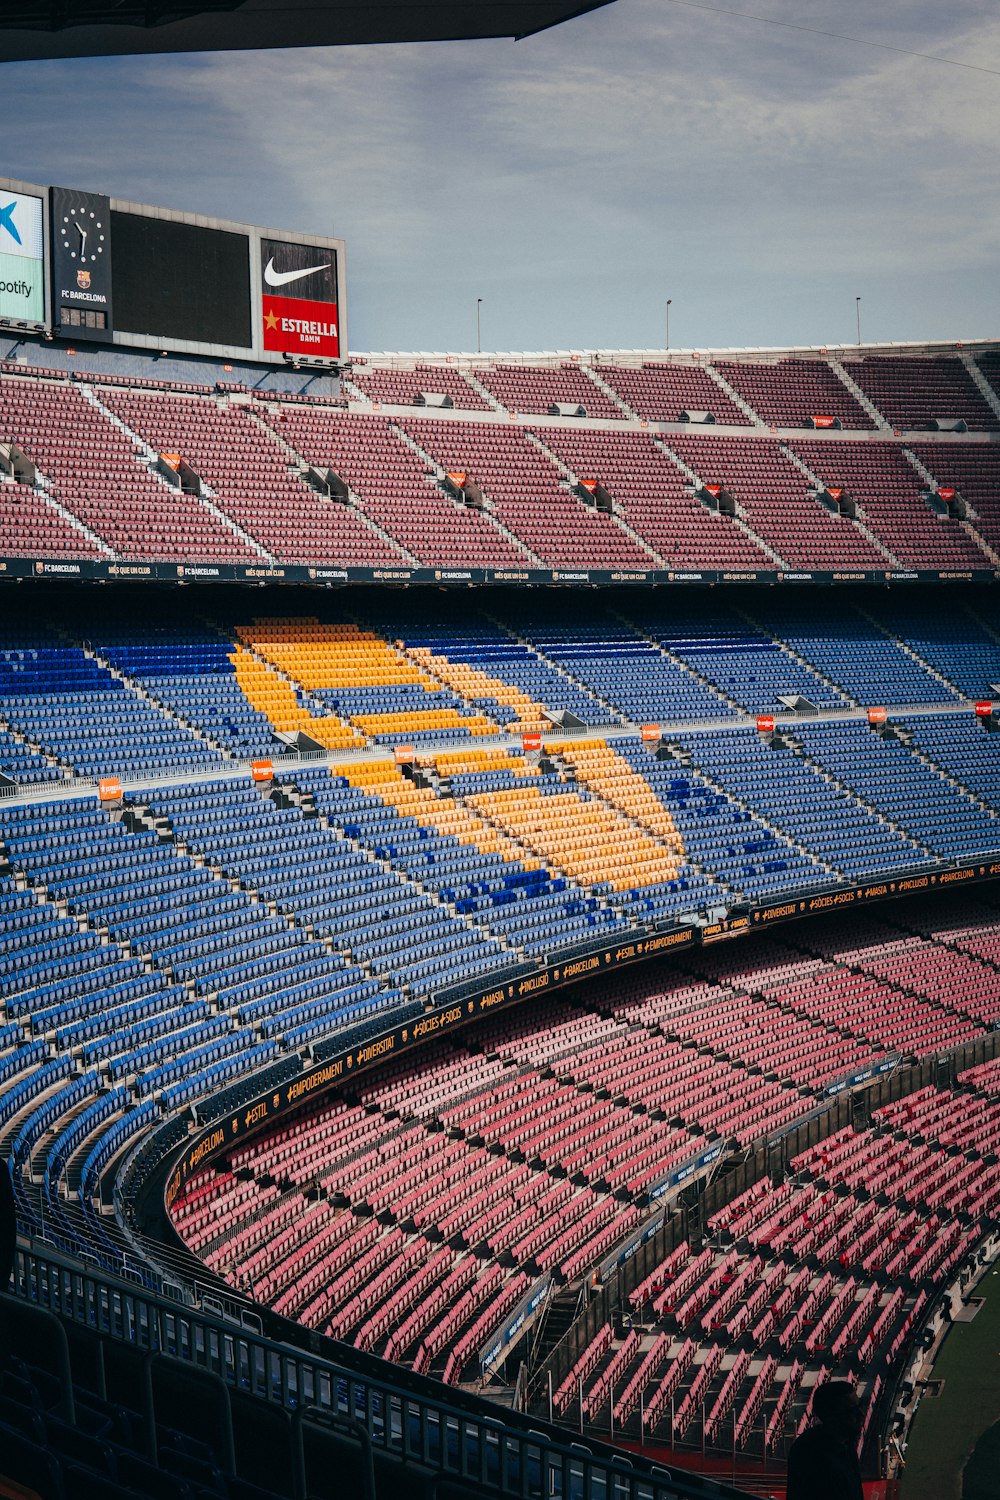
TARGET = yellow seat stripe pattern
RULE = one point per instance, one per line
(609, 774)
(472, 683)
(343, 655)
(385, 781)
(589, 841)
(272, 696)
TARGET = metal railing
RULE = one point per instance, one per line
(455, 1434)
(219, 769)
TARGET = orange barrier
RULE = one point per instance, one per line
(109, 789)
(261, 770)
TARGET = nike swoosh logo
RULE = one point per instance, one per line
(282, 278)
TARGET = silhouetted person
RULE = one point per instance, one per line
(823, 1462)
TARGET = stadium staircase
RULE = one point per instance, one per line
(561, 1312)
(734, 395)
(989, 395)
(484, 392)
(556, 666)
(301, 467)
(686, 757)
(150, 459)
(788, 650)
(738, 520)
(910, 651)
(840, 370)
(44, 487)
(802, 754)
(856, 520)
(487, 514)
(688, 668)
(610, 393)
(966, 524)
(571, 484)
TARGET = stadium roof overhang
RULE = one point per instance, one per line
(97, 28)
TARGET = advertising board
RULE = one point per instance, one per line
(22, 258)
(299, 310)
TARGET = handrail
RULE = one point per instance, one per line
(458, 1435)
(293, 760)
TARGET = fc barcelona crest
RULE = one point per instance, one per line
(83, 280)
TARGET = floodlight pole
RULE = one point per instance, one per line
(857, 308)
(479, 341)
(667, 344)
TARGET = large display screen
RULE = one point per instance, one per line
(299, 299)
(22, 258)
(182, 282)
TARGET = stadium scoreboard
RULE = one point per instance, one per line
(86, 267)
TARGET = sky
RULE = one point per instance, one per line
(760, 177)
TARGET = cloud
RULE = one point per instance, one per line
(576, 179)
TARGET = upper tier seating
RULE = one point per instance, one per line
(252, 480)
(95, 472)
(402, 387)
(974, 470)
(662, 392)
(397, 489)
(989, 365)
(887, 488)
(791, 392)
(912, 391)
(655, 497)
(524, 388)
(99, 493)
(772, 496)
(31, 526)
(528, 494)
